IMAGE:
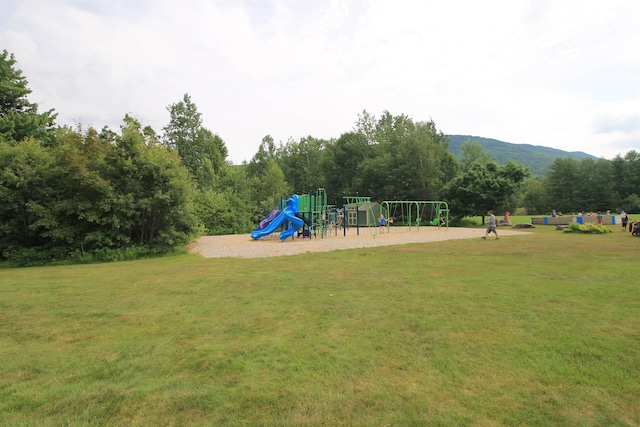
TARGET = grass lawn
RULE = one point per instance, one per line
(536, 330)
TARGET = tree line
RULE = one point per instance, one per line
(78, 194)
(587, 185)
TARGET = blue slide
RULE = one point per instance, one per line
(286, 217)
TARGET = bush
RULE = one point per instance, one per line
(32, 257)
(587, 228)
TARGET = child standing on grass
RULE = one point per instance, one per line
(624, 218)
(491, 226)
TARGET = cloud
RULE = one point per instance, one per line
(618, 124)
(625, 120)
(560, 74)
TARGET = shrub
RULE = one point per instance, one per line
(31, 257)
(587, 228)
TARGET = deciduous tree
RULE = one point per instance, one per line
(19, 118)
(483, 187)
(203, 153)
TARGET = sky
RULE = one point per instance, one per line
(561, 74)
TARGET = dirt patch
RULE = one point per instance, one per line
(243, 246)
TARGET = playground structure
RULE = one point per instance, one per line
(285, 217)
(306, 212)
(309, 215)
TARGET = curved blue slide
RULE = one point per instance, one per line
(286, 217)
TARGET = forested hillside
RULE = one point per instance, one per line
(535, 157)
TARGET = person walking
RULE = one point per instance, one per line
(624, 218)
(491, 226)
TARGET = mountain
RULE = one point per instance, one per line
(535, 157)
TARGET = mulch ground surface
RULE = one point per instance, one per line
(243, 246)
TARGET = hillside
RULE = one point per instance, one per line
(535, 157)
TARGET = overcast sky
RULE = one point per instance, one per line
(558, 73)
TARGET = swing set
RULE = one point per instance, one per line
(416, 213)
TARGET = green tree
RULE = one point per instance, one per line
(631, 203)
(19, 118)
(472, 152)
(483, 187)
(585, 185)
(408, 161)
(258, 164)
(563, 186)
(230, 208)
(423, 163)
(597, 188)
(535, 199)
(153, 199)
(238, 190)
(376, 178)
(632, 180)
(626, 181)
(28, 179)
(388, 158)
(271, 187)
(202, 152)
(340, 164)
(84, 195)
(220, 208)
(300, 162)
(267, 180)
(222, 212)
(366, 126)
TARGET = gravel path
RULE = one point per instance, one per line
(243, 246)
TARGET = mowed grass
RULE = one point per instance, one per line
(536, 330)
